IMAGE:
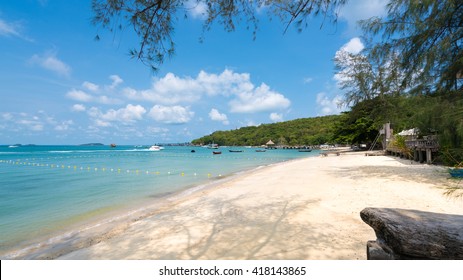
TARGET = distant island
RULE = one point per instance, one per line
(92, 144)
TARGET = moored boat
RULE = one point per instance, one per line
(216, 152)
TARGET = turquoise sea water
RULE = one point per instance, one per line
(46, 189)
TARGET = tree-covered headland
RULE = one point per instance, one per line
(300, 132)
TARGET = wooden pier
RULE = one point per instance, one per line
(420, 150)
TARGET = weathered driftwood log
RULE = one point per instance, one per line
(412, 234)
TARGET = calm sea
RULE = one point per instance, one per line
(44, 190)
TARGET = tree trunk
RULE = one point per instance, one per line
(412, 234)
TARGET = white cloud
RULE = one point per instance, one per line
(354, 46)
(168, 90)
(357, 10)
(275, 117)
(128, 115)
(95, 88)
(259, 100)
(197, 8)
(116, 80)
(33, 125)
(13, 29)
(172, 89)
(215, 115)
(82, 96)
(25, 121)
(97, 93)
(90, 86)
(63, 126)
(101, 123)
(78, 108)
(245, 97)
(308, 80)
(7, 116)
(79, 95)
(9, 29)
(50, 62)
(171, 114)
(107, 100)
(226, 84)
(329, 106)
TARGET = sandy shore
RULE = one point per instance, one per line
(303, 209)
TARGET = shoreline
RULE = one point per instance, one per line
(299, 209)
(88, 232)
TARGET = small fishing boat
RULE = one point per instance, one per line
(235, 151)
(261, 151)
(305, 150)
(216, 152)
(113, 145)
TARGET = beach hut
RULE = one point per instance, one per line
(410, 134)
(270, 144)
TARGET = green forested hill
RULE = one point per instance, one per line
(307, 131)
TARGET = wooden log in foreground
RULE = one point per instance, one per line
(413, 234)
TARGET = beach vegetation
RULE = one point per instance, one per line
(410, 74)
(398, 143)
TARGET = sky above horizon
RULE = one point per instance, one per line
(60, 86)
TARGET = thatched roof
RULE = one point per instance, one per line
(410, 132)
(270, 142)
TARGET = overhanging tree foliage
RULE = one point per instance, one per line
(153, 21)
(363, 76)
(411, 72)
(427, 36)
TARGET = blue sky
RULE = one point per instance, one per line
(60, 86)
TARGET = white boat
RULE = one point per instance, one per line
(155, 148)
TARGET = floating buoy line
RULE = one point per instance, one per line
(106, 169)
(45, 163)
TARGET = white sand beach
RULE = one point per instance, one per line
(302, 209)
